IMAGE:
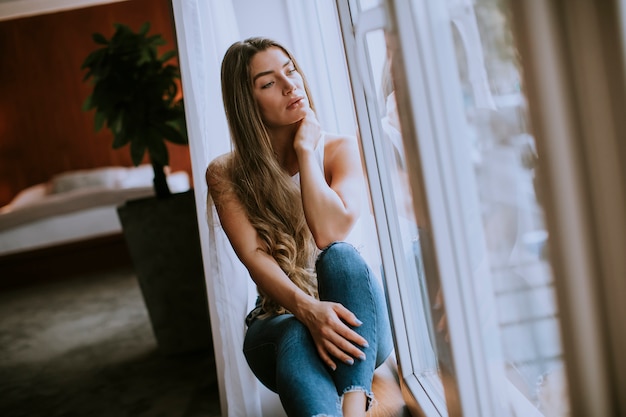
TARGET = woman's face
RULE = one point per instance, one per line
(278, 88)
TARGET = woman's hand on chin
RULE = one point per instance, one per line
(308, 133)
(328, 324)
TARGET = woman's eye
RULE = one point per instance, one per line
(291, 71)
(268, 85)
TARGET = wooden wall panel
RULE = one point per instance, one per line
(43, 130)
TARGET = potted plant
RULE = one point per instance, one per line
(136, 94)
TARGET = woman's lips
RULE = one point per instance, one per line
(293, 103)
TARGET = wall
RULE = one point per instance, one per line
(43, 130)
(268, 18)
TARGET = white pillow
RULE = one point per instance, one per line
(107, 177)
(178, 181)
(139, 176)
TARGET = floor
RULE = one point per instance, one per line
(84, 347)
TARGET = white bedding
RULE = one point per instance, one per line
(69, 203)
(81, 205)
(64, 228)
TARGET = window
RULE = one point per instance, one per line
(451, 165)
(453, 185)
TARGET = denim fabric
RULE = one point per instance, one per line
(281, 352)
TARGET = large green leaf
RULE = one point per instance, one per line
(87, 104)
(99, 119)
(156, 40)
(116, 123)
(144, 56)
(144, 28)
(171, 133)
(137, 150)
(93, 58)
(158, 150)
(120, 139)
(167, 56)
(99, 38)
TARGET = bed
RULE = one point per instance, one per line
(71, 210)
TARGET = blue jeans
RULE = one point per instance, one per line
(282, 355)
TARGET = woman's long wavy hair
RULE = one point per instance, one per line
(271, 198)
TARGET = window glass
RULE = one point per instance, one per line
(406, 236)
(510, 280)
(504, 160)
(421, 360)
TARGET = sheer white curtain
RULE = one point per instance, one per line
(205, 29)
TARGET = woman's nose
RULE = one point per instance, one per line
(289, 86)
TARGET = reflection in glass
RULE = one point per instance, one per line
(405, 229)
(504, 160)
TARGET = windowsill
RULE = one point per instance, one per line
(387, 392)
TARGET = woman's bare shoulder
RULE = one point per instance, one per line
(217, 170)
(335, 143)
(334, 138)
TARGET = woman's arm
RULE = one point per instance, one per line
(331, 199)
(323, 319)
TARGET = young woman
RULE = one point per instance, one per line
(287, 196)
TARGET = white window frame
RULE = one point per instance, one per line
(379, 182)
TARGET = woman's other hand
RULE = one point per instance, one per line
(328, 324)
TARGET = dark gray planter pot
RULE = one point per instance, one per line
(164, 244)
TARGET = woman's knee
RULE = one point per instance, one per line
(339, 248)
(341, 272)
(339, 256)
